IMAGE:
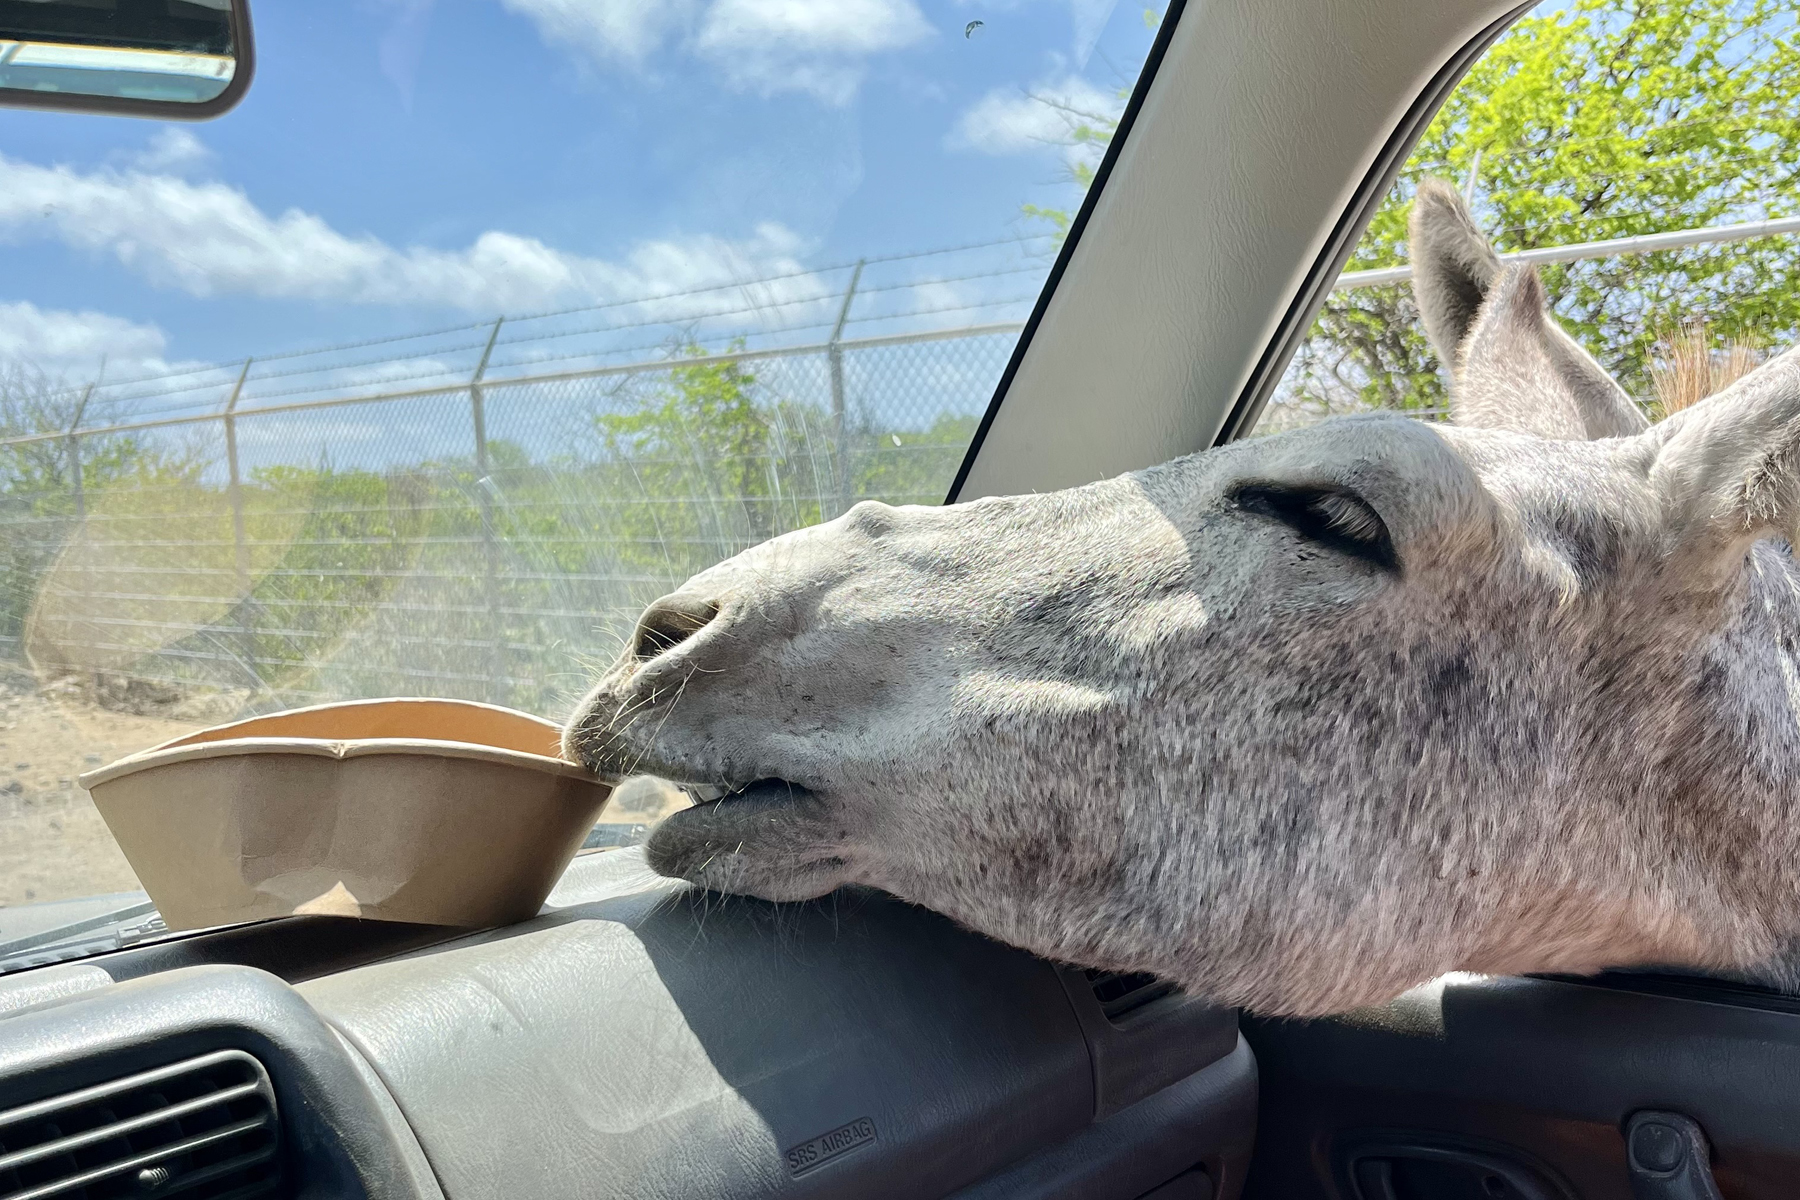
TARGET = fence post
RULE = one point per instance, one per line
(75, 452)
(840, 432)
(240, 538)
(484, 499)
(235, 490)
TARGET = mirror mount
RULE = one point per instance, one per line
(171, 60)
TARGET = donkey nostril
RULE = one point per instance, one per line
(669, 622)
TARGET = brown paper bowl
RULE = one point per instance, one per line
(440, 812)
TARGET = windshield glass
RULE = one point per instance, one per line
(473, 329)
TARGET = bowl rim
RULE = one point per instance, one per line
(171, 752)
(342, 749)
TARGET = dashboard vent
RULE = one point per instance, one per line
(203, 1129)
(1121, 994)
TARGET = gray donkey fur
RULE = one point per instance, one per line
(1299, 722)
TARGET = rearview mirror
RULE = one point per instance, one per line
(172, 59)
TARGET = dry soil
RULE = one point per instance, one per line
(53, 844)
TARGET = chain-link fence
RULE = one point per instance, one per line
(491, 538)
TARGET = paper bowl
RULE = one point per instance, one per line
(440, 812)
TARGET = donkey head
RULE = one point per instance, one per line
(1298, 722)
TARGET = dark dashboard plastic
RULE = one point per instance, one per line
(642, 1039)
(339, 1144)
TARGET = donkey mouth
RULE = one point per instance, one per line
(703, 794)
(771, 839)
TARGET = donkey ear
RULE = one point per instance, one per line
(1727, 470)
(1452, 266)
(1521, 371)
(1533, 378)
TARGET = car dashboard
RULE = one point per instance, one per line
(638, 1038)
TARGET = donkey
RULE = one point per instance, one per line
(1299, 722)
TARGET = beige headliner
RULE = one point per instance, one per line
(1258, 130)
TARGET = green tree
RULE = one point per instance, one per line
(709, 460)
(327, 549)
(39, 474)
(37, 494)
(1085, 130)
(912, 466)
(701, 466)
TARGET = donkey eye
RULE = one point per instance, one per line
(1336, 518)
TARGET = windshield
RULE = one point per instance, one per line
(474, 328)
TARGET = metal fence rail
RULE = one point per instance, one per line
(1646, 243)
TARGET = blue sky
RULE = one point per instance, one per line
(405, 164)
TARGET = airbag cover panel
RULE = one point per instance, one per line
(673, 1043)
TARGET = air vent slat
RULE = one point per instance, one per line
(203, 1129)
(151, 1159)
(144, 1081)
(77, 1141)
(194, 1179)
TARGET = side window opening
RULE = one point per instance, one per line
(1645, 154)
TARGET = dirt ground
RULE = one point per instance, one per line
(53, 843)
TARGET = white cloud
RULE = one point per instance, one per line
(209, 238)
(815, 46)
(814, 26)
(819, 47)
(1010, 121)
(174, 150)
(71, 344)
(606, 30)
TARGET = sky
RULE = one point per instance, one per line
(403, 165)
